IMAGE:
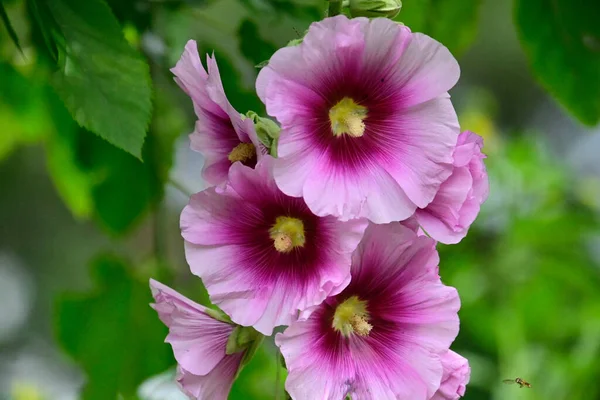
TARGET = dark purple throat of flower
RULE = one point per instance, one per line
(347, 117)
(351, 317)
(287, 233)
(243, 152)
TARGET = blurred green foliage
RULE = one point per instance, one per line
(112, 331)
(453, 22)
(529, 288)
(528, 285)
(562, 41)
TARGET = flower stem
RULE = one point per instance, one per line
(277, 373)
(180, 187)
(335, 8)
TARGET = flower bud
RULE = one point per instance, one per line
(375, 8)
(267, 130)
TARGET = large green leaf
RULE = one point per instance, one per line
(562, 41)
(103, 82)
(452, 22)
(112, 332)
(73, 184)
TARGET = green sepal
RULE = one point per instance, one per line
(246, 339)
(294, 42)
(266, 130)
(254, 346)
(262, 64)
(218, 315)
(273, 148)
(240, 339)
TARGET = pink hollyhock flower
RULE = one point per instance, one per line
(221, 134)
(456, 205)
(455, 377)
(199, 342)
(368, 128)
(263, 255)
(383, 336)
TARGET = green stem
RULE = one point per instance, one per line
(277, 373)
(335, 8)
(160, 251)
(179, 186)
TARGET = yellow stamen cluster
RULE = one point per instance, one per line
(287, 233)
(242, 152)
(352, 317)
(347, 117)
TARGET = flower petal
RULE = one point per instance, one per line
(455, 378)
(198, 340)
(214, 386)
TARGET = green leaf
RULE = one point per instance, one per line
(112, 332)
(103, 82)
(9, 28)
(562, 41)
(73, 184)
(451, 22)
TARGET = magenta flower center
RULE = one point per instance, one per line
(243, 152)
(347, 117)
(287, 233)
(352, 317)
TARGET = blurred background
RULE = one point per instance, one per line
(84, 225)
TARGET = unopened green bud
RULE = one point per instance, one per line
(266, 129)
(375, 8)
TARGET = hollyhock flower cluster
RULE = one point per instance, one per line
(326, 221)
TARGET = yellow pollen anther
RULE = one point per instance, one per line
(352, 317)
(347, 117)
(360, 325)
(282, 242)
(287, 233)
(242, 152)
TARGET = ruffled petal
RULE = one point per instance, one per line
(372, 194)
(420, 159)
(214, 386)
(456, 205)
(442, 218)
(198, 340)
(426, 70)
(312, 374)
(455, 378)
